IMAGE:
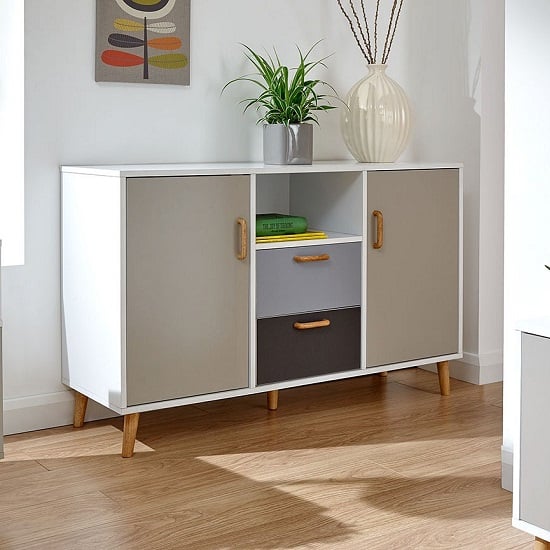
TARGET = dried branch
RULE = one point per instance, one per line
(390, 26)
(376, 29)
(369, 47)
(361, 47)
(359, 27)
(359, 24)
(393, 33)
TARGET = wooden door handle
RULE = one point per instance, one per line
(243, 246)
(318, 258)
(313, 324)
(379, 229)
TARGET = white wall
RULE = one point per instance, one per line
(527, 198)
(442, 68)
(462, 104)
(491, 191)
(71, 119)
(11, 137)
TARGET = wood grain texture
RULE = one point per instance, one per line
(444, 377)
(80, 405)
(316, 258)
(272, 400)
(370, 463)
(314, 324)
(131, 422)
(541, 544)
(379, 229)
(243, 249)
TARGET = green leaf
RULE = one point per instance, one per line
(286, 95)
(169, 61)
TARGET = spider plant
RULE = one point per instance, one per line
(287, 95)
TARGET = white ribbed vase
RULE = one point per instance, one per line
(377, 122)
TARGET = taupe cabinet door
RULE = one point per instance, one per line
(413, 279)
(187, 292)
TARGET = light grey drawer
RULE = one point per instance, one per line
(285, 285)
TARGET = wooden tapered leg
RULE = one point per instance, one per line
(273, 400)
(444, 378)
(383, 374)
(80, 404)
(131, 422)
(541, 544)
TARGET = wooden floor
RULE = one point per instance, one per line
(368, 463)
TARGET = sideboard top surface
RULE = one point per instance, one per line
(230, 168)
(540, 326)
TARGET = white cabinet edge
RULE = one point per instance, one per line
(538, 326)
(197, 169)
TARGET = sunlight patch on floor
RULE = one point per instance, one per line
(299, 465)
(393, 480)
(94, 441)
(354, 460)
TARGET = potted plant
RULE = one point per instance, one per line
(287, 104)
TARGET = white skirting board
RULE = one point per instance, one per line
(475, 369)
(507, 462)
(38, 412)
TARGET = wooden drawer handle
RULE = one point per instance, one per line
(379, 229)
(243, 252)
(313, 324)
(318, 258)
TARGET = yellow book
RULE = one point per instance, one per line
(310, 235)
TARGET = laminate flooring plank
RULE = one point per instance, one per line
(48, 486)
(39, 522)
(65, 443)
(21, 468)
(369, 463)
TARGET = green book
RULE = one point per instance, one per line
(279, 224)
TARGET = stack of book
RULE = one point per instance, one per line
(284, 227)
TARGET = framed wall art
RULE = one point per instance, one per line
(143, 41)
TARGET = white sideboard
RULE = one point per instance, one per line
(531, 506)
(167, 299)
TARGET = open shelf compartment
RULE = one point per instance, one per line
(331, 202)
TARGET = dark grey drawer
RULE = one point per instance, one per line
(287, 353)
(285, 286)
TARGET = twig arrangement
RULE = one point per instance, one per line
(367, 36)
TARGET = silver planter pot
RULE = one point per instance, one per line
(292, 144)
